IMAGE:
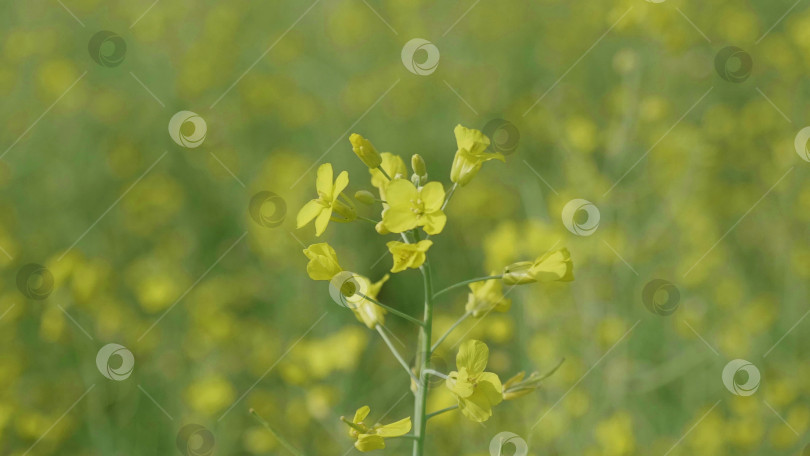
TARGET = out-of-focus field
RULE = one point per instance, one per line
(151, 245)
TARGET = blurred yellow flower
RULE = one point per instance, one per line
(323, 263)
(210, 395)
(321, 209)
(366, 311)
(408, 255)
(471, 154)
(485, 297)
(552, 266)
(373, 437)
(364, 150)
(477, 391)
(409, 207)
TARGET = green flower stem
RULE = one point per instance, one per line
(439, 412)
(392, 310)
(466, 282)
(368, 219)
(435, 373)
(407, 436)
(450, 330)
(281, 440)
(449, 195)
(384, 173)
(420, 417)
(396, 353)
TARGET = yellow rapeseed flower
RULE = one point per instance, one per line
(323, 263)
(471, 154)
(320, 209)
(485, 297)
(477, 391)
(364, 310)
(373, 437)
(408, 255)
(552, 266)
(409, 207)
(364, 150)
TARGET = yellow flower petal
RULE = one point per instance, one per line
(323, 181)
(434, 222)
(308, 212)
(400, 192)
(341, 183)
(369, 442)
(399, 219)
(322, 220)
(473, 356)
(432, 195)
(396, 429)
(361, 414)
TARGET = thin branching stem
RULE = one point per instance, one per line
(396, 312)
(396, 353)
(439, 412)
(467, 282)
(384, 173)
(281, 439)
(450, 195)
(450, 330)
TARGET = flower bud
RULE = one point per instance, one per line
(418, 165)
(381, 229)
(363, 148)
(365, 197)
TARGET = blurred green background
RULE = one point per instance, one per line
(716, 206)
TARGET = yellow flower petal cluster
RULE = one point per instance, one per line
(323, 262)
(476, 391)
(471, 155)
(553, 266)
(485, 297)
(408, 255)
(373, 437)
(320, 209)
(409, 207)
